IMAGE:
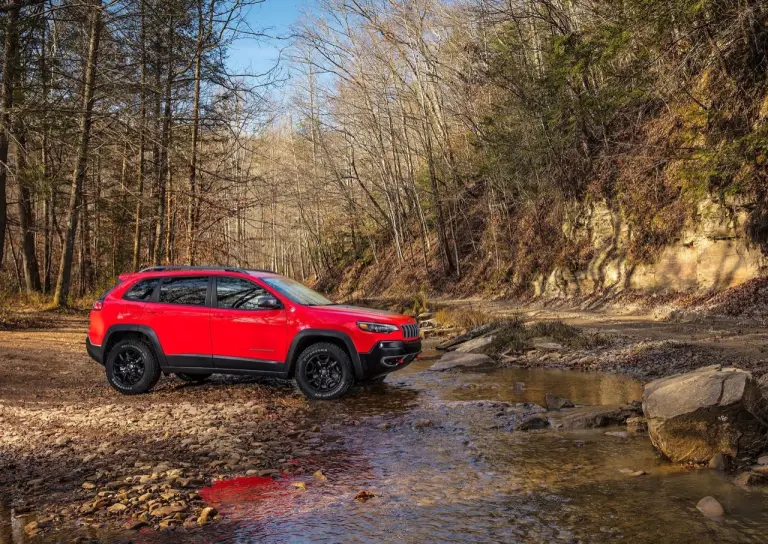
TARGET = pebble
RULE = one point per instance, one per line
(637, 425)
(135, 525)
(719, 462)
(709, 506)
(750, 478)
(206, 515)
(32, 528)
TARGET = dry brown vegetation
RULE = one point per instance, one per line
(428, 145)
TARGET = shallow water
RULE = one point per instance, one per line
(466, 479)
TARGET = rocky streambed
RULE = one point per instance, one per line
(96, 468)
(488, 455)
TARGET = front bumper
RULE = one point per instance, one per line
(388, 356)
(94, 351)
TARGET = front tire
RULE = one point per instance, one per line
(324, 372)
(193, 378)
(132, 368)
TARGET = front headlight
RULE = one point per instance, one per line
(381, 328)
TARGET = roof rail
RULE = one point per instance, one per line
(171, 268)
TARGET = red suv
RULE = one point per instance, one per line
(198, 321)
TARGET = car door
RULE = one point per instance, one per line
(243, 335)
(180, 318)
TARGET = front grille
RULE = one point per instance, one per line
(410, 331)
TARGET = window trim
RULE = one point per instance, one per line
(215, 295)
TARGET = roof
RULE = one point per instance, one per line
(173, 268)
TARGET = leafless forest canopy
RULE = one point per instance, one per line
(441, 140)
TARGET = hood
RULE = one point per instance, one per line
(361, 313)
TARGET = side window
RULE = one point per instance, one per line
(142, 291)
(186, 290)
(237, 293)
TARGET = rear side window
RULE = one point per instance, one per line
(142, 290)
(238, 294)
(108, 291)
(186, 290)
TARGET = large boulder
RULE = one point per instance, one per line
(471, 346)
(455, 360)
(555, 403)
(474, 333)
(696, 415)
(590, 417)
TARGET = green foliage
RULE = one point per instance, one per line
(637, 103)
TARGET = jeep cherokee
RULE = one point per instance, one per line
(198, 321)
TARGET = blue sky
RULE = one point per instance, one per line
(276, 16)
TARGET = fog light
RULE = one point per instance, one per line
(392, 361)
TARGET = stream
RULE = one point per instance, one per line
(427, 445)
(428, 449)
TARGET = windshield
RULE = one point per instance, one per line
(297, 292)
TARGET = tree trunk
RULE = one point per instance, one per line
(163, 174)
(26, 219)
(48, 201)
(192, 207)
(142, 147)
(47, 245)
(86, 265)
(65, 269)
(10, 67)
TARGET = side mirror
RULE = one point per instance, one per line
(268, 302)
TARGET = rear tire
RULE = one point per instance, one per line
(193, 378)
(324, 372)
(132, 367)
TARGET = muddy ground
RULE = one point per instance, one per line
(78, 459)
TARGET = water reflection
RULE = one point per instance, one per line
(460, 478)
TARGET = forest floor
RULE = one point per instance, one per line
(76, 456)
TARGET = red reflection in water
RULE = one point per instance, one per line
(251, 488)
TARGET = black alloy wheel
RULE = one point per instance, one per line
(132, 366)
(323, 372)
(129, 367)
